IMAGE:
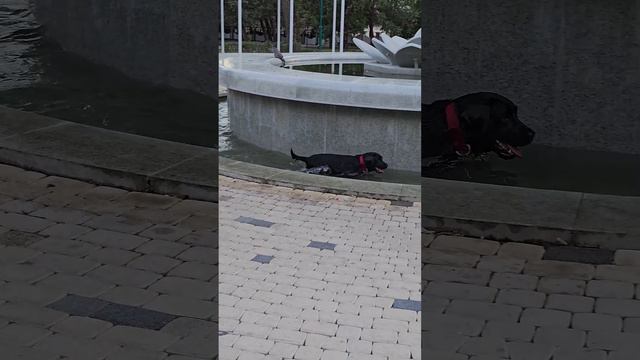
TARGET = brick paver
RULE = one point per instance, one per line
(331, 268)
(141, 259)
(526, 305)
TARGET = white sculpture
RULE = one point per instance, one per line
(394, 50)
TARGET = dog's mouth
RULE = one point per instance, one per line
(507, 151)
(379, 171)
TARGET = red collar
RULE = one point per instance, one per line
(455, 132)
(363, 166)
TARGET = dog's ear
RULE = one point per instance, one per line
(477, 118)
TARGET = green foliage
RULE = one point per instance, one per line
(395, 17)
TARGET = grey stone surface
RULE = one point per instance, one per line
(298, 180)
(566, 64)
(104, 157)
(78, 305)
(169, 42)
(308, 128)
(118, 314)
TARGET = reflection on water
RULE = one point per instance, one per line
(347, 69)
(38, 76)
(234, 148)
(545, 167)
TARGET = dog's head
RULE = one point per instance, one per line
(373, 161)
(490, 123)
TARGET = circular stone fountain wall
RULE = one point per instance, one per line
(279, 108)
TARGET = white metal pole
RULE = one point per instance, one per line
(239, 26)
(342, 25)
(279, 26)
(333, 32)
(222, 24)
(291, 26)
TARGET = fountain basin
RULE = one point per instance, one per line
(279, 108)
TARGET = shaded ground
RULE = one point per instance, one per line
(93, 272)
(489, 300)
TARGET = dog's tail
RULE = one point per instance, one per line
(297, 157)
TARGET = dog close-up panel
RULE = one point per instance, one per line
(530, 179)
(319, 180)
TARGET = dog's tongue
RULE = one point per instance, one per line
(511, 149)
(379, 170)
(514, 150)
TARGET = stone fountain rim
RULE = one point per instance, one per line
(261, 74)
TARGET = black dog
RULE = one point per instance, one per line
(473, 125)
(342, 165)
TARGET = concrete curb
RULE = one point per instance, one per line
(106, 157)
(531, 215)
(297, 180)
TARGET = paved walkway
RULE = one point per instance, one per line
(307, 275)
(487, 300)
(91, 272)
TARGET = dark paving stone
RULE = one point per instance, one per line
(579, 254)
(19, 238)
(255, 222)
(133, 316)
(401, 203)
(322, 245)
(407, 305)
(78, 305)
(262, 259)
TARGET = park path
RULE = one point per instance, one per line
(316, 276)
(92, 272)
(489, 300)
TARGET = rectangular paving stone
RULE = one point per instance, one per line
(64, 264)
(24, 223)
(126, 276)
(80, 285)
(465, 245)
(254, 221)
(451, 290)
(21, 335)
(579, 254)
(78, 305)
(118, 223)
(485, 311)
(65, 247)
(411, 305)
(322, 245)
(74, 347)
(139, 337)
(81, 327)
(190, 288)
(183, 306)
(263, 259)
(113, 239)
(118, 314)
(30, 313)
(63, 215)
(19, 238)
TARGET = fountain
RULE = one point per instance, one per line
(278, 108)
(395, 57)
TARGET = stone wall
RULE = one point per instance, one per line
(572, 66)
(310, 128)
(168, 42)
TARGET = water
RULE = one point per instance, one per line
(347, 69)
(232, 147)
(545, 167)
(38, 76)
